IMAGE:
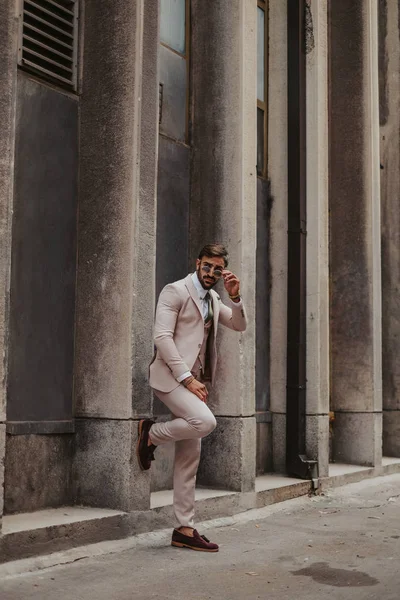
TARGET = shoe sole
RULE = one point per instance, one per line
(180, 545)
(140, 427)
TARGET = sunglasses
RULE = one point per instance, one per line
(217, 270)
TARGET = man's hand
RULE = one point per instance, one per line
(231, 283)
(199, 389)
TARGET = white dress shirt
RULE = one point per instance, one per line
(204, 307)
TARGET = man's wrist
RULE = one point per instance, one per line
(184, 375)
(235, 297)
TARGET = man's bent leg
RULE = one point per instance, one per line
(187, 457)
(194, 420)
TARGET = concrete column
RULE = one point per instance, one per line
(146, 216)
(356, 376)
(223, 208)
(389, 79)
(8, 76)
(277, 172)
(317, 399)
(115, 285)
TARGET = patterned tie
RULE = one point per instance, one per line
(210, 312)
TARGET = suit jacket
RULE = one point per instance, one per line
(179, 332)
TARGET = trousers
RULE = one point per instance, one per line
(192, 420)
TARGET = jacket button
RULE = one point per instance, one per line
(199, 345)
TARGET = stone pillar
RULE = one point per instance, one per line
(8, 76)
(389, 79)
(277, 172)
(356, 376)
(144, 280)
(317, 399)
(116, 241)
(223, 208)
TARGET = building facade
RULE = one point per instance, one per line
(135, 131)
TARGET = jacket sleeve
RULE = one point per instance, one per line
(235, 318)
(168, 307)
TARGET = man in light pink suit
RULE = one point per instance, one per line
(182, 372)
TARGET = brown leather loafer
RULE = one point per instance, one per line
(144, 452)
(197, 542)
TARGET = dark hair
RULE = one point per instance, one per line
(214, 251)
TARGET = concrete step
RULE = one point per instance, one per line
(53, 530)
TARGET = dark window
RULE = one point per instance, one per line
(173, 24)
(174, 68)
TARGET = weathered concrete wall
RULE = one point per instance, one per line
(2, 460)
(224, 201)
(233, 442)
(317, 398)
(109, 138)
(389, 80)
(8, 75)
(264, 462)
(223, 192)
(116, 247)
(277, 171)
(223, 196)
(162, 470)
(107, 474)
(356, 392)
(38, 472)
(146, 216)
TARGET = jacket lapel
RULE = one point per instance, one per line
(193, 293)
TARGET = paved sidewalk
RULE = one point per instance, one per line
(342, 546)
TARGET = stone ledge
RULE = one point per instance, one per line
(97, 525)
(354, 476)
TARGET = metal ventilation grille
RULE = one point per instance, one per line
(49, 39)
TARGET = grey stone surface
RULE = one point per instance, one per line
(34, 542)
(2, 460)
(8, 74)
(109, 140)
(281, 494)
(317, 441)
(355, 284)
(264, 448)
(162, 468)
(389, 68)
(391, 432)
(357, 438)
(44, 540)
(228, 458)
(38, 472)
(106, 471)
(339, 546)
(145, 233)
(279, 442)
(278, 173)
(223, 192)
(317, 148)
